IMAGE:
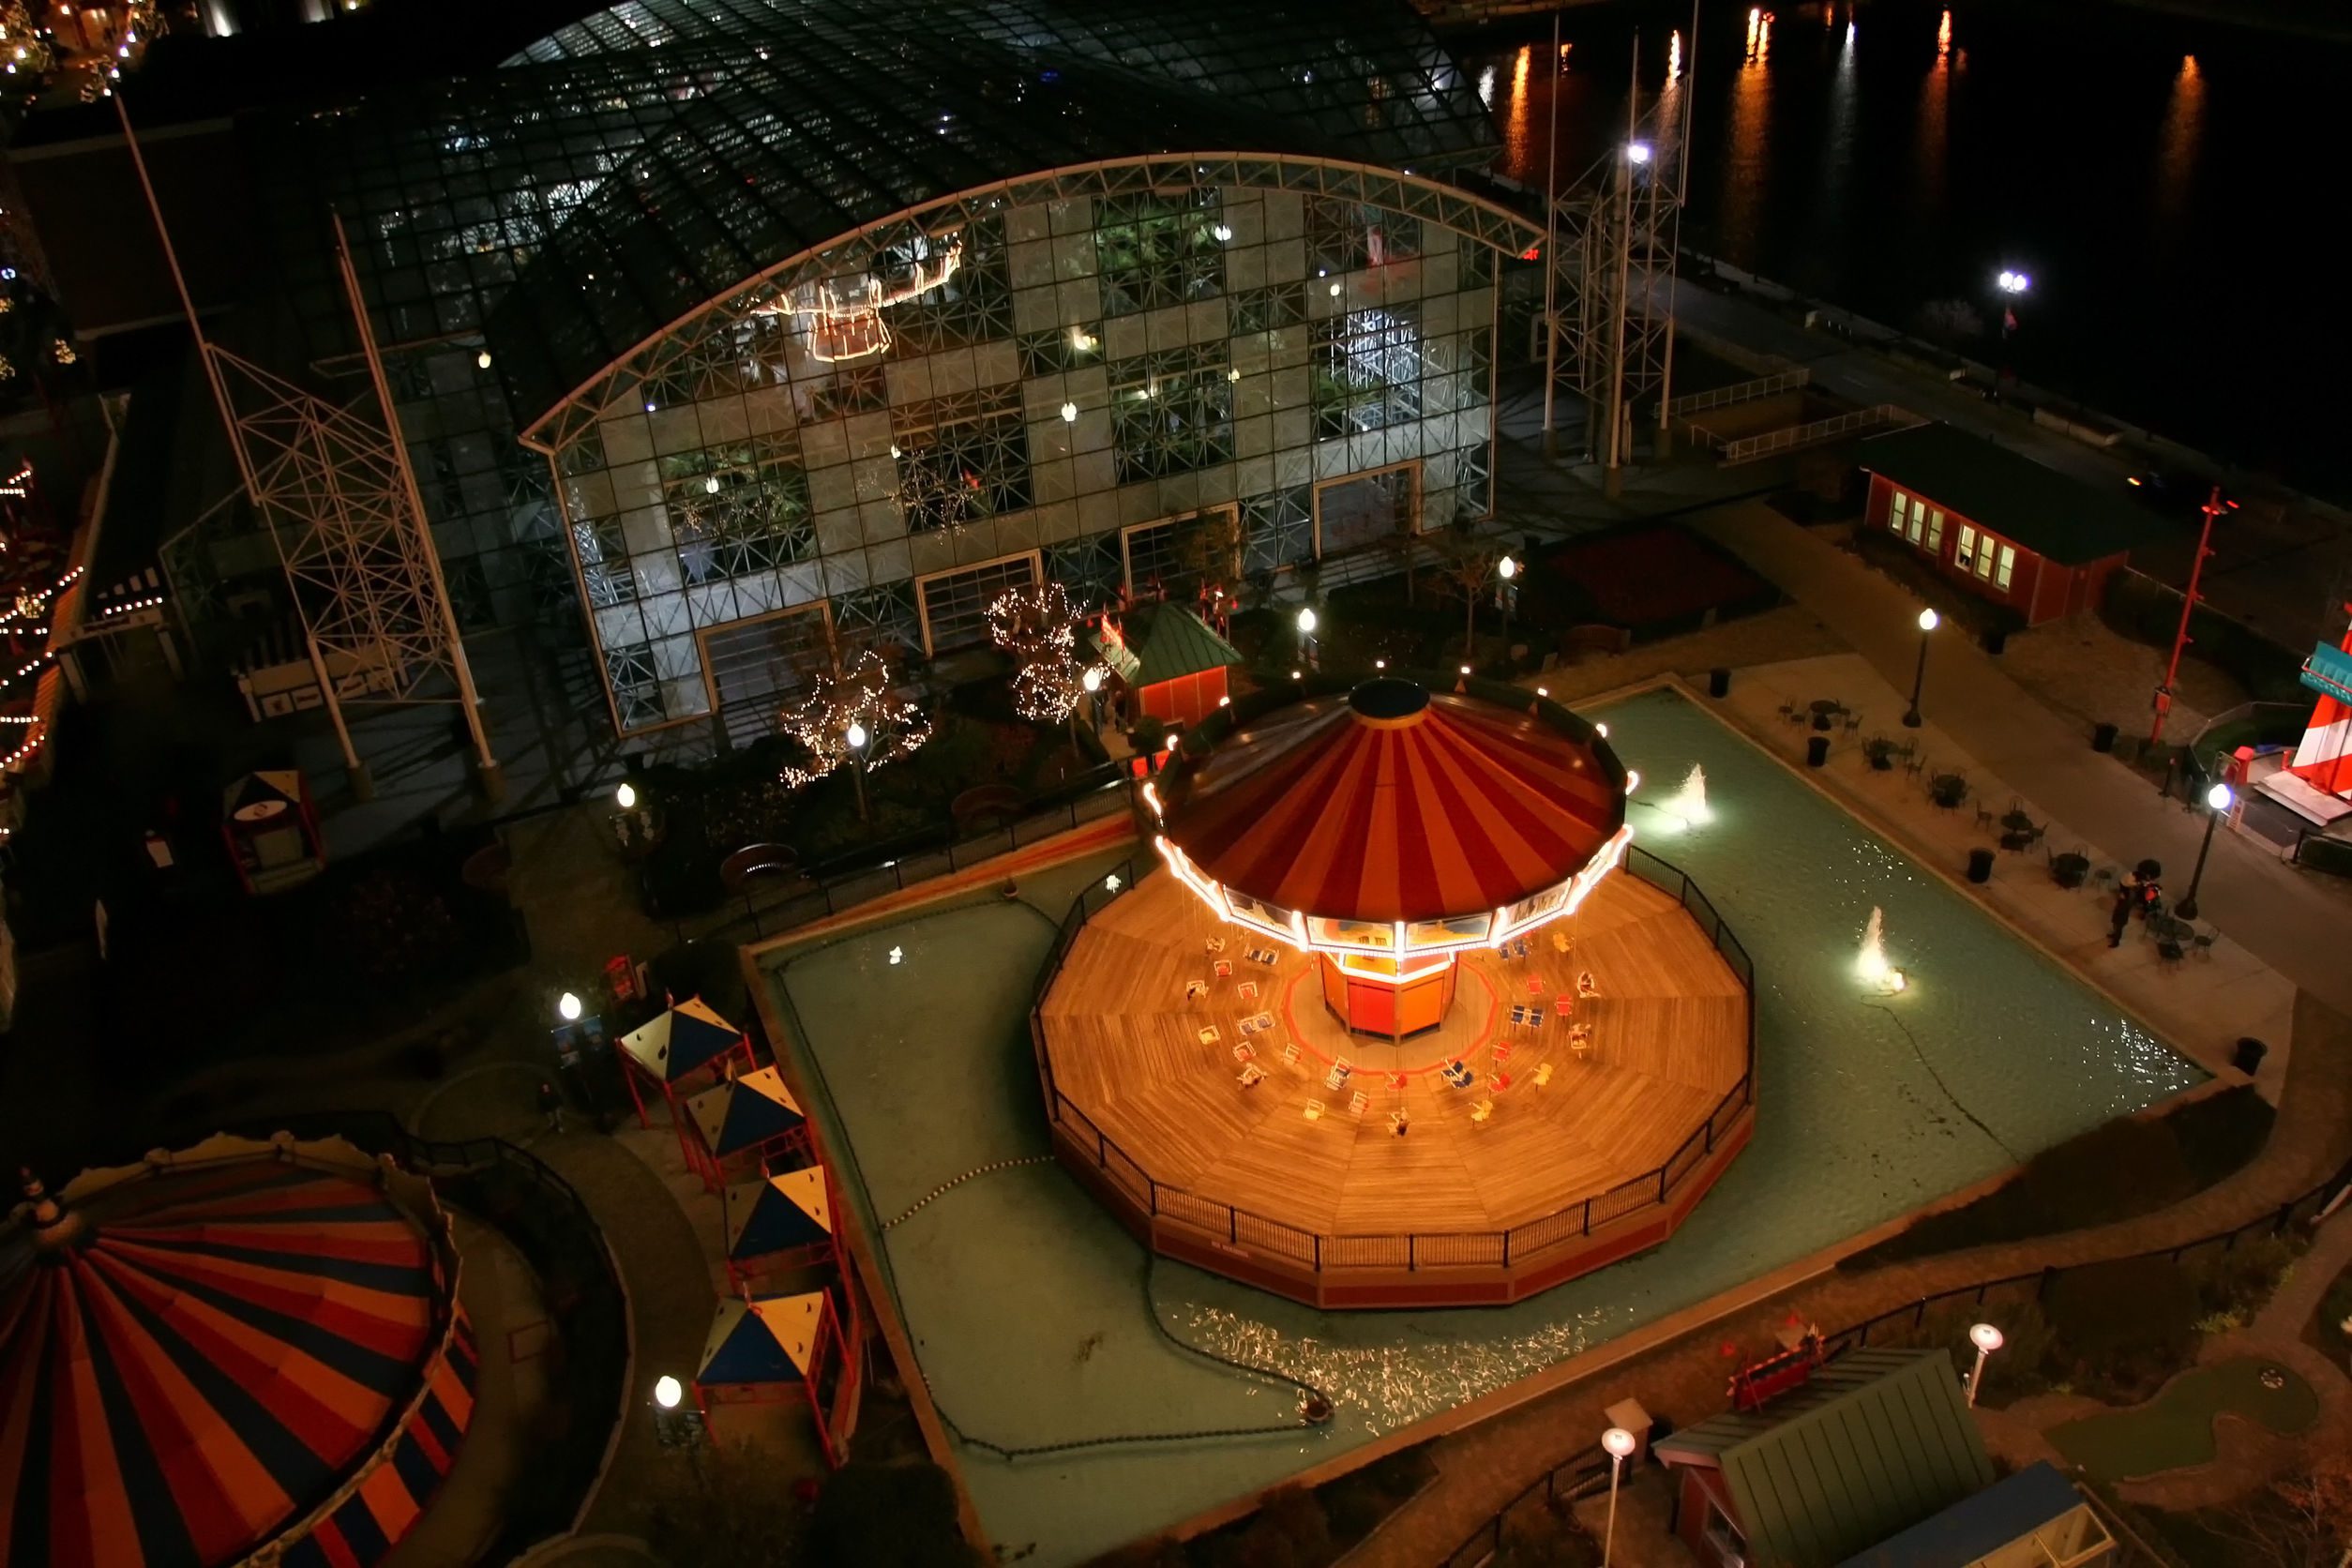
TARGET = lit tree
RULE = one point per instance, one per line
(849, 717)
(1038, 624)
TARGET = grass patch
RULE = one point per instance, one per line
(2118, 1170)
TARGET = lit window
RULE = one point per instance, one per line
(1984, 555)
(1966, 552)
(1916, 520)
(2008, 562)
(1936, 531)
(1896, 512)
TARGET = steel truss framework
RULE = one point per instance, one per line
(1613, 267)
(329, 486)
(759, 295)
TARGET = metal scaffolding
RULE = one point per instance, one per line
(1611, 289)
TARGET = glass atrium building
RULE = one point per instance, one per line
(731, 324)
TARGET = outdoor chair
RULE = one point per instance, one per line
(1915, 760)
(1984, 818)
(2202, 944)
(1787, 708)
(1853, 721)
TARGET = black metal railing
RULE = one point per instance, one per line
(879, 871)
(1521, 1244)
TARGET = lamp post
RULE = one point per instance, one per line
(857, 737)
(2217, 804)
(626, 796)
(1986, 1338)
(1093, 682)
(1927, 622)
(1306, 634)
(1506, 569)
(567, 1007)
(1621, 1445)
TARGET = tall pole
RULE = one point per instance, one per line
(362, 782)
(1674, 251)
(2180, 640)
(1551, 242)
(2217, 801)
(1918, 673)
(492, 779)
(1613, 476)
(1608, 1538)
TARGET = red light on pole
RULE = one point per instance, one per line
(2213, 508)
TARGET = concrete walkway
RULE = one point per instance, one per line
(2292, 922)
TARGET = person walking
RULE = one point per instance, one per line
(550, 1106)
(2126, 897)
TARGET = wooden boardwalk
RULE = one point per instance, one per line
(1125, 1045)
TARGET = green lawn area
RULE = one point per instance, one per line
(2176, 1428)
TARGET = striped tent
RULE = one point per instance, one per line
(1395, 804)
(763, 1339)
(778, 1214)
(193, 1362)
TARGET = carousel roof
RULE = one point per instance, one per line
(744, 1112)
(788, 1211)
(1394, 803)
(762, 1339)
(684, 1037)
(192, 1361)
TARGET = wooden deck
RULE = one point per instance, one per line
(1668, 1040)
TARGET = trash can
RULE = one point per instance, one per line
(1995, 641)
(2102, 737)
(1816, 751)
(1719, 682)
(1980, 865)
(2247, 1054)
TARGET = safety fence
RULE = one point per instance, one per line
(1741, 392)
(1530, 1245)
(1729, 454)
(1585, 1473)
(881, 870)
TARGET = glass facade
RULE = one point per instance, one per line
(615, 248)
(1090, 403)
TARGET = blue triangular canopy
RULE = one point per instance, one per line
(767, 1339)
(744, 1112)
(685, 1037)
(777, 1213)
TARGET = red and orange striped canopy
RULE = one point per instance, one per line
(1394, 804)
(202, 1361)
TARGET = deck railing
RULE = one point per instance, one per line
(1741, 392)
(1520, 1244)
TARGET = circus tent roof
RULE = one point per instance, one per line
(744, 1112)
(1394, 803)
(788, 1211)
(684, 1037)
(764, 1339)
(192, 1361)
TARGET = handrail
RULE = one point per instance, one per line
(1749, 448)
(1741, 392)
(1410, 1250)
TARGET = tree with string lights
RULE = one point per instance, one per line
(1038, 624)
(848, 716)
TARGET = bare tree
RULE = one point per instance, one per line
(848, 715)
(1038, 624)
(2300, 1521)
(1466, 571)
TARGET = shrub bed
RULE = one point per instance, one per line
(2116, 1171)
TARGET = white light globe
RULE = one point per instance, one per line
(856, 736)
(567, 1007)
(1307, 620)
(626, 796)
(1069, 413)
(1929, 620)
(667, 1391)
(2219, 797)
(1507, 568)
(1620, 1442)
(1986, 1338)
(1091, 680)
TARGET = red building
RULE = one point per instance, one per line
(1998, 523)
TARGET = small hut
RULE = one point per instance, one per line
(1175, 669)
(778, 1222)
(689, 1038)
(763, 1350)
(271, 826)
(752, 1115)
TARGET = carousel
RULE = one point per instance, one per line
(1395, 1026)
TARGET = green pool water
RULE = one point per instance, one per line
(2176, 1428)
(1038, 1321)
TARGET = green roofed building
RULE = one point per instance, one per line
(1876, 1442)
(1172, 663)
(1997, 522)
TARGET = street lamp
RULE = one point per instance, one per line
(2217, 804)
(855, 734)
(1638, 152)
(1093, 682)
(1927, 622)
(567, 1007)
(1307, 633)
(1506, 569)
(1621, 1444)
(2012, 282)
(667, 1391)
(1986, 1338)
(626, 796)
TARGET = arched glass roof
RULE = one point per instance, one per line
(798, 121)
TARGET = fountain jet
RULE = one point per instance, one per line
(1872, 964)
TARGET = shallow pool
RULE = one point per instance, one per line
(1028, 1305)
